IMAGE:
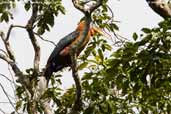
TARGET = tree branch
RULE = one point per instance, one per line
(87, 12)
(78, 4)
(45, 39)
(78, 103)
(2, 111)
(8, 97)
(33, 39)
(160, 7)
(10, 29)
(46, 106)
(10, 59)
(7, 46)
(7, 78)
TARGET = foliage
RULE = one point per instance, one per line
(136, 78)
(5, 8)
(48, 9)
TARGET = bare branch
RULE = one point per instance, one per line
(11, 59)
(6, 78)
(11, 82)
(80, 6)
(8, 97)
(45, 39)
(5, 58)
(8, 47)
(160, 7)
(2, 111)
(33, 39)
(4, 52)
(10, 29)
(9, 32)
(22, 79)
(14, 85)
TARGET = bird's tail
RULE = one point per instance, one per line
(48, 73)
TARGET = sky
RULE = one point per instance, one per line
(132, 15)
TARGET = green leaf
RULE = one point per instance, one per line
(89, 110)
(40, 31)
(18, 105)
(4, 17)
(146, 30)
(100, 54)
(114, 27)
(83, 65)
(87, 76)
(62, 9)
(27, 6)
(135, 36)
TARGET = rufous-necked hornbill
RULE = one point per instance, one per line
(60, 57)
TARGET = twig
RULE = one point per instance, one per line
(8, 97)
(2, 111)
(12, 64)
(5, 58)
(4, 52)
(10, 29)
(45, 39)
(8, 47)
(10, 59)
(6, 78)
(12, 76)
(10, 82)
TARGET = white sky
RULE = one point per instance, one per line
(132, 14)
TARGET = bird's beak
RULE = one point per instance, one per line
(101, 32)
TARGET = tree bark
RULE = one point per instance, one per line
(161, 7)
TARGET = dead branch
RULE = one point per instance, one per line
(7, 78)
(12, 83)
(2, 111)
(161, 7)
(33, 39)
(8, 97)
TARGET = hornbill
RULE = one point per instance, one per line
(60, 57)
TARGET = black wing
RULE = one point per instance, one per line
(63, 43)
